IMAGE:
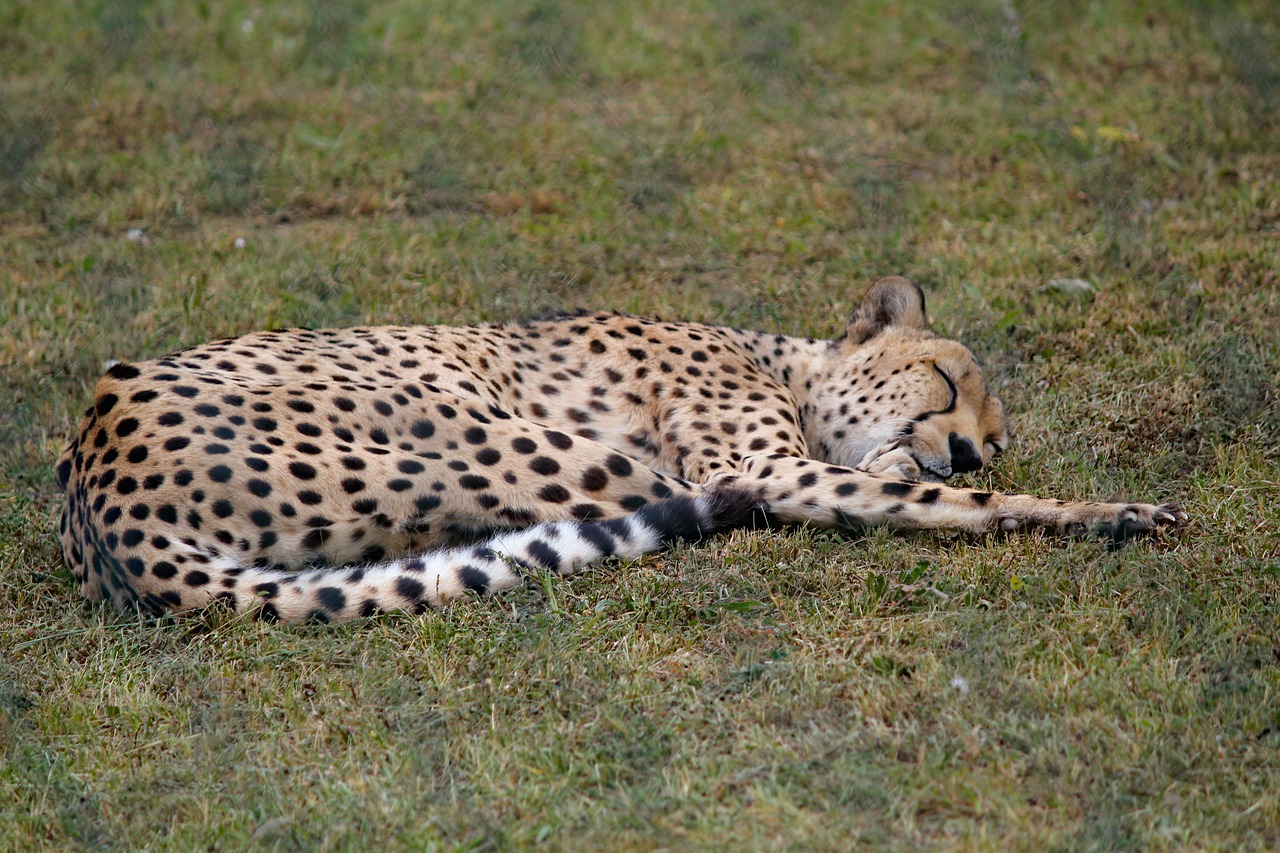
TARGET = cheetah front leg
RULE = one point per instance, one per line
(802, 490)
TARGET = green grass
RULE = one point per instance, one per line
(749, 164)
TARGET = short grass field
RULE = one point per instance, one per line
(172, 172)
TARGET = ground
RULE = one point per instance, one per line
(171, 173)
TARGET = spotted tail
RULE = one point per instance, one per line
(502, 562)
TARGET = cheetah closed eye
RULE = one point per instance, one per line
(324, 474)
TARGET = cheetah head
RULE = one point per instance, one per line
(895, 398)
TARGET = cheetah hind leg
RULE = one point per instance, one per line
(436, 578)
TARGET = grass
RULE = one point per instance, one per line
(748, 164)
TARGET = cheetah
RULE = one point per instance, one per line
(329, 475)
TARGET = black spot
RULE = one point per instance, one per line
(310, 498)
(524, 445)
(845, 489)
(475, 435)
(410, 466)
(980, 498)
(554, 493)
(344, 404)
(265, 424)
(594, 479)
(302, 470)
(807, 480)
(544, 554)
(315, 538)
(353, 463)
(472, 482)
(409, 589)
(422, 429)
(331, 598)
(126, 486)
(106, 403)
(260, 517)
(896, 490)
(222, 508)
(488, 456)
(195, 578)
(132, 537)
(167, 513)
(599, 538)
(185, 390)
(618, 465)
(140, 511)
(544, 465)
(220, 473)
(399, 485)
(120, 370)
(164, 570)
(558, 440)
(207, 411)
(929, 496)
(473, 579)
(586, 512)
(301, 406)
(260, 488)
(383, 408)
(309, 430)
(351, 485)
(137, 454)
(126, 426)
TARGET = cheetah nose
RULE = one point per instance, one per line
(964, 456)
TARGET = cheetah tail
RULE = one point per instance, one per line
(436, 578)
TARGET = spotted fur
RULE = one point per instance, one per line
(331, 474)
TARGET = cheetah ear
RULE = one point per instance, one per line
(891, 301)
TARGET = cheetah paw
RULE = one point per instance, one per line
(1135, 520)
(891, 461)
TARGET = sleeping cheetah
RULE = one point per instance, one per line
(327, 475)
